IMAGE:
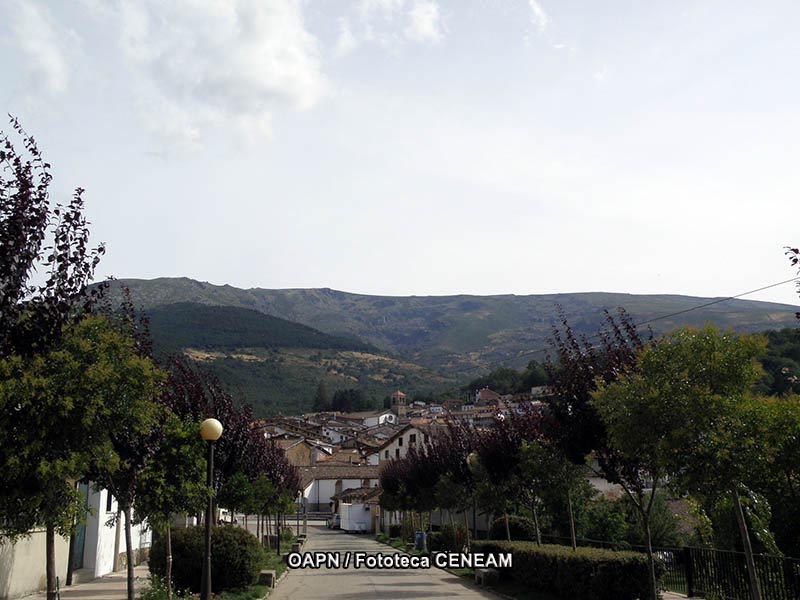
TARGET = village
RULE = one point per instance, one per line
(340, 454)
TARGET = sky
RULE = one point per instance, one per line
(422, 147)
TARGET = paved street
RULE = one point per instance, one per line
(368, 584)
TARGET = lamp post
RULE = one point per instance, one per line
(210, 431)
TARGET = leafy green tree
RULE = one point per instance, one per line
(56, 415)
(236, 493)
(545, 474)
(173, 482)
(131, 420)
(683, 411)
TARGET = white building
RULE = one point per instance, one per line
(321, 482)
(410, 436)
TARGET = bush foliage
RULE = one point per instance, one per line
(448, 539)
(586, 574)
(521, 528)
(236, 558)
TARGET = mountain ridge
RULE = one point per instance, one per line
(463, 330)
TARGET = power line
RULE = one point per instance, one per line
(647, 322)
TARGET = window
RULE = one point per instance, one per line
(109, 500)
(412, 438)
(425, 437)
(400, 441)
(397, 452)
(386, 455)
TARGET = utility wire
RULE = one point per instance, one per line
(641, 323)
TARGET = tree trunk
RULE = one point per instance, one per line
(535, 514)
(755, 589)
(508, 529)
(571, 521)
(50, 553)
(168, 573)
(650, 559)
(129, 551)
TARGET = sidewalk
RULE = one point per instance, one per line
(111, 587)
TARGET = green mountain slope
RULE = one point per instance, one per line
(452, 333)
(274, 364)
(192, 325)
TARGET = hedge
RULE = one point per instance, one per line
(448, 538)
(520, 528)
(582, 574)
(236, 558)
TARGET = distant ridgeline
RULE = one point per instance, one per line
(275, 346)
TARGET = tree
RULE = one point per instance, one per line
(236, 493)
(38, 236)
(576, 373)
(685, 412)
(132, 421)
(55, 424)
(545, 472)
(173, 481)
(321, 401)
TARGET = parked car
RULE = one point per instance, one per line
(335, 521)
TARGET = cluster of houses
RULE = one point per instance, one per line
(340, 454)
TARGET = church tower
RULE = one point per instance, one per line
(398, 405)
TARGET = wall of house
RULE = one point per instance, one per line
(317, 495)
(403, 446)
(22, 565)
(386, 417)
(98, 553)
(300, 455)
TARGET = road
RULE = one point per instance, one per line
(368, 584)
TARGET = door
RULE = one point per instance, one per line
(76, 560)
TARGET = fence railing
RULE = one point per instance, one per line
(714, 573)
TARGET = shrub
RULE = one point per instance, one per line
(588, 573)
(236, 557)
(395, 530)
(453, 539)
(520, 528)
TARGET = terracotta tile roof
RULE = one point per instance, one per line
(334, 471)
(363, 495)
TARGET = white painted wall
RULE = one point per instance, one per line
(22, 565)
(320, 491)
(390, 452)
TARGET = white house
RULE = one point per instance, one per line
(371, 418)
(323, 481)
(410, 436)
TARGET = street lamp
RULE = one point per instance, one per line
(210, 431)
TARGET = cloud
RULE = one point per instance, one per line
(346, 42)
(42, 44)
(206, 63)
(539, 17)
(392, 22)
(425, 23)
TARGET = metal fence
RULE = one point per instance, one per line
(709, 572)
